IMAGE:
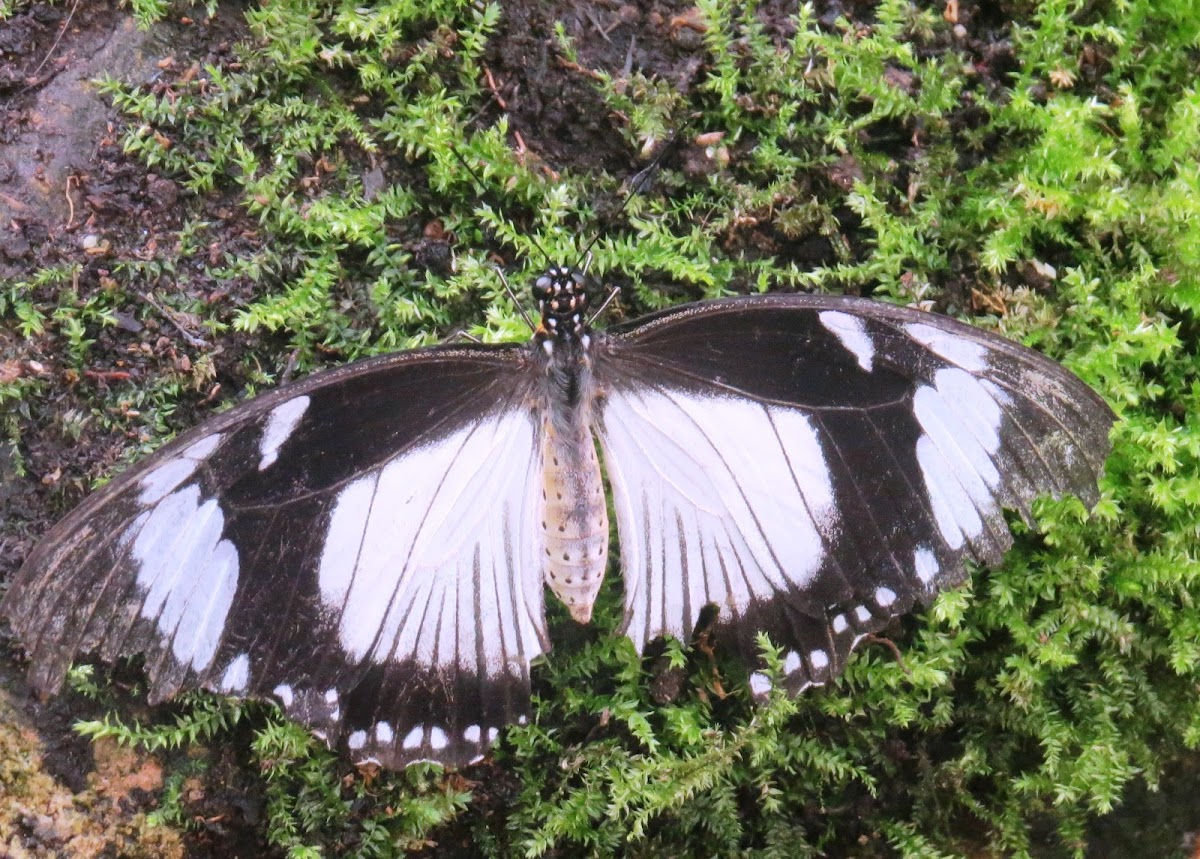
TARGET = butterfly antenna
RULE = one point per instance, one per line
(636, 184)
(611, 295)
(513, 296)
(461, 334)
(479, 179)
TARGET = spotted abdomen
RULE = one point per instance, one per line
(574, 520)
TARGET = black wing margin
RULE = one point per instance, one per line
(323, 545)
(816, 465)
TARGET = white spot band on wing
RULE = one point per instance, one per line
(925, 565)
(717, 500)
(189, 574)
(281, 423)
(851, 332)
(954, 348)
(399, 562)
(237, 675)
(169, 475)
(961, 421)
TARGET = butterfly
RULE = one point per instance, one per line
(369, 546)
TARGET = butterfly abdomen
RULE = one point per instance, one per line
(574, 520)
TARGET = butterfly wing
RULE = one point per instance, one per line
(356, 545)
(814, 465)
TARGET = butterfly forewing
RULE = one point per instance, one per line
(355, 545)
(815, 465)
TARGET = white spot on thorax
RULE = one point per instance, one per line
(281, 423)
(851, 332)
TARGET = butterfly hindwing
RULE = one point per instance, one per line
(350, 545)
(815, 465)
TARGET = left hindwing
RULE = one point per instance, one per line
(357, 545)
(814, 465)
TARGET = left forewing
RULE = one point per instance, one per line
(358, 546)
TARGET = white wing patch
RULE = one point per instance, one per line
(953, 347)
(236, 678)
(718, 500)
(281, 423)
(925, 565)
(961, 421)
(189, 574)
(436, 556)
(171, 474)
(851, 332)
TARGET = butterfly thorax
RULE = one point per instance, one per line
(574, 519)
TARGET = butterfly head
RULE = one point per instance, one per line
(562, 302)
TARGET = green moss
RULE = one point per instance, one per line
(1025, 703)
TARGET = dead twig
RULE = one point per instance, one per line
(62, 32)
(105, 376)
(570, 66)
(890, 645)
(70, 202)
(189, 337)
(491, 82)
(289, 368)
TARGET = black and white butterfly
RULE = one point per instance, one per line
(369, 546)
